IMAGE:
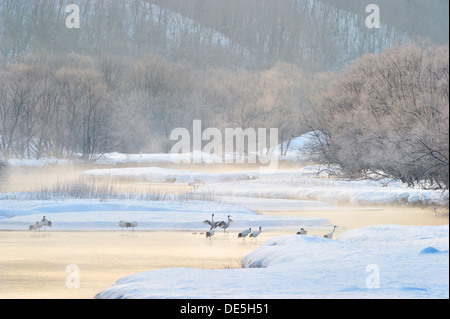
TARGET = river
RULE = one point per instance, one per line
(39, 264)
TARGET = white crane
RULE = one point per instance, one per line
(35, 227)
(255, 233)
(45, 222)
(128, 224)
(244, 233)
(210, 233)
(302, 232)
(211, 222)
(225, 224)
(330, 235)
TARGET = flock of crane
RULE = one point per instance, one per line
(329, 235)
(224, 224)
(248, 232)
(46, 223)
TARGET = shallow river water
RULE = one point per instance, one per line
(40, 264)
(34, 265)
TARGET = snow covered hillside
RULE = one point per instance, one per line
(371, 262)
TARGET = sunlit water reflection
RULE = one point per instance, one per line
(33, 264)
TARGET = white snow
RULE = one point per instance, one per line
(298, 148)
(296, 152)
(293, 267)
(163, 175)
(302, 184)
(120, 158)
(45, 161)
(330, 191)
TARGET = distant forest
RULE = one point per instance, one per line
(253, 34)
(135, 70)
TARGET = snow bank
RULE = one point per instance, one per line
(304, 184)
(194, 157)
(37, 162)
(371, 262)
(101, 215)
(163, 175)
(120, 158)
(297, 149)
(337, 195)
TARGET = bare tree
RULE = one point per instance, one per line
(388, 115)
(87, 103)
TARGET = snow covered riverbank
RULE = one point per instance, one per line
(372, 262)
(299, 184)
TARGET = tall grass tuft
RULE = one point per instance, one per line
(101, 190)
